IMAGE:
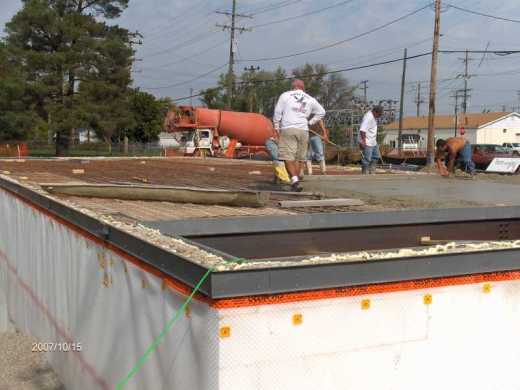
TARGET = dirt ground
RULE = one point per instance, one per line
(208, 173)
(22, 369)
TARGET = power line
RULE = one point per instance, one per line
(188, 97)
(342, 70)
(482, 14)
(303, 15)
(282, 4)
(451, 79)
(310, 75)
(497, 52)
(191, 10)
(178, 46)
(191, 80)
(190, 58)
(383, 53)
(342, 41)
(185, 28)
(484, 55)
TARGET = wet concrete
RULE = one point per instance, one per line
(409, 191)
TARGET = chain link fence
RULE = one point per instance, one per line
(43, 149)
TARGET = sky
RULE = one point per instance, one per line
(183, 50)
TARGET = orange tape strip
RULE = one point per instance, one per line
(364, 290)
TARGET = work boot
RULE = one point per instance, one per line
(308, 164)
(295, 187)
(364, 170)
(323, 167)
(372, 169)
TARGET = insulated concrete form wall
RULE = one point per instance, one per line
(63, 287)
(59, 285)
(454, 337)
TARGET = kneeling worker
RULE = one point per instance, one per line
(291, 120)
(455, 149)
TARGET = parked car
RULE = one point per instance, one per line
(483, 154)
(514, 146)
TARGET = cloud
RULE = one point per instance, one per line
(197, 45)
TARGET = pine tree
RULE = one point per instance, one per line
(18, 118)
(76, 65)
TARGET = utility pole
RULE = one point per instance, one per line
(251, 93)
(191, 97)
(466, 77)
(466, 65)
(433, 84)
(458, 94)
(401, 108)
(365, 88)
(232, 29)
(419, 100)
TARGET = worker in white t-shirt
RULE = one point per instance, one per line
(291, 122)
(368, 140)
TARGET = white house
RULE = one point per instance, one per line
(86, 136)
(167, 140)
(486, 128)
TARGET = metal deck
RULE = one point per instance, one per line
(314, 234)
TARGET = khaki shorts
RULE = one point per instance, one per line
(293, 145)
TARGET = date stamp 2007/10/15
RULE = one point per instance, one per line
(56, 347)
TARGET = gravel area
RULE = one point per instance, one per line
(22, 369)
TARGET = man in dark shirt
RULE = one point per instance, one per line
(453, 150)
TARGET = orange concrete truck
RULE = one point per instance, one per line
(205, 132)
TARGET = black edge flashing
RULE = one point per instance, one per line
(268, 224)
(340, 275)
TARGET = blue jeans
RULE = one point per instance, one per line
(315, 152)
(465, 159)
(272, 148)
(370, 156)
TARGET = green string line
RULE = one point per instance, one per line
(163, 333)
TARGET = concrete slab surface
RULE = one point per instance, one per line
(419, 190)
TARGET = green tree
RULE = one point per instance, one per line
(77, 65)
(332, 90)
(213, 97)
(18, 118)
(149, 114)
(258, 91)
